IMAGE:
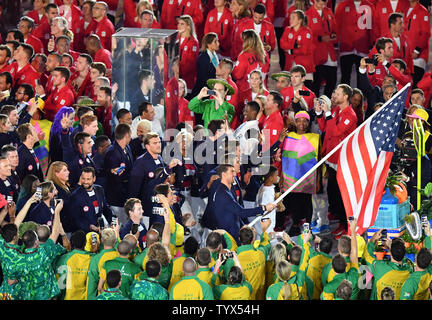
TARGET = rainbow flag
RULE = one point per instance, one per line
(299, 155)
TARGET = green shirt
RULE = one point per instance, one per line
(139, 259)
(96, 264)
(111, 294)
(9, 254)
(239, 291)
(164, 278)
(416, 287)
(127, 269)
(36, 278)
(329, 291)
(148, 289)
(208, 110)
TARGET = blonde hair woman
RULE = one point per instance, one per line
(282, 290)
(5, 126)
(277, 254)
(252, 57)
(188, 49)
(241, 12)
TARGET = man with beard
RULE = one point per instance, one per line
(88, 203)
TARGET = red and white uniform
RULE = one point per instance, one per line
(171, 103)
(104, 116)
(288, 95)
(300, 43)
(353, 37)
(86, 86)
(184, 114)
(233, 99)
(377, 78)
(272, 126)
(103, 55)
(246, 63)
(270, 9)
(222, 27)
(43, 32)
(85, 29)
(417, 30)
(426, 85)
(188, 55)
(322, 25)
(105, 29)
(402, 50)
(336, 129)
(38, 19)
(35, 43)
(383, 10)
(266, 32)
(234, 49)
(58, 99)
(26, 74)
(171, 9)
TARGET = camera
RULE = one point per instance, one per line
(211, 92)
(304, 92)
(227, 255)
(158, 210)
(38, 193)
(373, 60)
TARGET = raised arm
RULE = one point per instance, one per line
(23, 212)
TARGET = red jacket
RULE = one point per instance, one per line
(351, 36)
(104, 116)
(234, 49)
(300, 42)
(404, 52)
(288, 94)
(27, 74)
(246, 63)
(171, 9)
(86, 86)
(336, 129)
(417, 30)
(184, 114)
(270, 9)
(82, 32)
(58, 99)
(103, 55)
(171, 104)
(233, 99)
(322, 26)
(426, 85)
(35, 16)
(188, 54)
(43, 32)
(223, 28)
(272, 127)
(35, 43)
(267, 34)
(105, 29)
(383, 10)
(377, 78)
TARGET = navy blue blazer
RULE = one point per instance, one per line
(82, 211)
(205, 70)
(27, 164)
(76, 165)
(41, 214)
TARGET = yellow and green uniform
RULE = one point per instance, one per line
(148, 289)
(111, 294)
(177, 269)
(36, 279)
(231, 245)
(208, 110)
(252, 258)
(416, 287)
(177, 236)
(207, 275)
(191, 288)
(164, 277)
(317, 261)
(329, 290)
(127, 269)
(328, 273)
(386, 273)
(301, 288)
(96, 263)
(239, 291)
(71, 272)
(141, 259)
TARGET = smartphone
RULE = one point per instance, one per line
(305, 227)
(101, 223)
(351, 218)
(304, 92)
(9, 199)
(94, 239)
(120, 169)
(38, 193)
(134, 228)
(369, 60)
(211, 92)
(424, 219)
(384, 234)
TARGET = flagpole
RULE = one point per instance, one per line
(329, 154)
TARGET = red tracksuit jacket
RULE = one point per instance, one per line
(288, 94)
(267, 34)
(246, 63)
(171, 9)
(58, 99)
(322, 26)
(234, 51)
(301, 44)
(223, 28)
(382, 12)
(336, 129)
(417, 30)
(105, 29)
(27, 74)
(188, 54)
(350, 35)
(35, 43)
(171, 103)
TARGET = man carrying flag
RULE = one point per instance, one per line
(337, 123)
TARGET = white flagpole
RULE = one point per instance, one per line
(330, 154)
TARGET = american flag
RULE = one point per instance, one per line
(364, 161)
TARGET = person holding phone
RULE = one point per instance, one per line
(134, 211)
(212, 104)
(43, 212)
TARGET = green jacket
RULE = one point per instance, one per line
(9, 254)
(208, 110)
(96, 264)
(111, 294)
(148, 289)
